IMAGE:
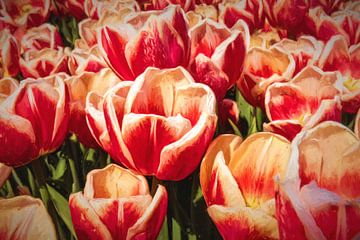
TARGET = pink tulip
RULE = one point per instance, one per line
(79, 86)
(170, 129)
(116, 204)
(237, 182)
(309, 98)
(33, 120)
(319, 196)
(217, 54)
(44, 36)
(158, 39)
(9, 54)
(45, 62)
(25, 217)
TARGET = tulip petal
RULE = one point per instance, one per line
(7, 87)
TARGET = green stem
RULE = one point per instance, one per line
(73, 160)
(16, 178)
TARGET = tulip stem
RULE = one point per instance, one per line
(72, 163)
(16, 178)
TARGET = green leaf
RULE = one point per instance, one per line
(60, 169)
(164, 233)
(176, 230)
(246, 110)
(235, 128)
(44, 196)
(252, 128)
(62, 207)
(31, 181)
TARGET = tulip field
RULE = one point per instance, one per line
(180, 119)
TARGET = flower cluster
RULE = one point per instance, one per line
(258, 100)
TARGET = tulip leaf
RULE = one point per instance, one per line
(60, 169)
(164, 233)
(176, 230)
(246, 110)
(30, 179)
(235, 128)
(62, 207)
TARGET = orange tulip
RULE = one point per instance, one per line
(262, 68)
(25, 217)
(237, 182)
(116, 204)
(79, 87)
(319, 196)
(172, 131)
(309, 98)
(33, 120)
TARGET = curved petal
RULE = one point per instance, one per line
(25, 217)
(5, 172)
(7, 87)
(9, 53)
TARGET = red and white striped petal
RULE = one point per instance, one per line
(44, 63)
(44, 36)
(9, 54)
(7, 87)
(25, 217)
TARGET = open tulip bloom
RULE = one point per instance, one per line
(180, 119)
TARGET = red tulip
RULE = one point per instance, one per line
(7, 87)
(44, 36)
(158, 39)
(250, 11)
(346, 23)
(288, 14)
(161, 4)
(306, 51)
(79, 87)
(309, 98)
(45, 62)
(217, 54)
(319, 196)
(9, 54)
(85, 60)
(116, 204)
(33, 120)
(25, 217)
(237, 182)
(170, 129)
(262, 68)
(336, 56)
(26, 13)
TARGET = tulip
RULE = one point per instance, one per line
(161, 4)
(266, 37)
(96, 9)
(336, 56)
(228, 110)
(201, 11)
(170, 129)
(328, 6)
(357, 124)
(74, 8)
(287, 14)
(25, 217)
(44, 36)
(85, 60)
(79, 87)
(116, 204)
(306, 50)
(9, 54)
(158, 39)
(33, 120)
(237, 182)
(309, 98)
(319, 197)
(36, 64)
(26, 13)
(217, 54)
(324, 27)
(250, 11)
(7, 87)
(262, 68)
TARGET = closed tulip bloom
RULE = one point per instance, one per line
(217, 54)
(262, 68)
(116, 204)
(9, 54)
(33, 120)
(309, 98)
(237, 182)
(25, 14)
(25, 217)
(172, 131)
(158, 39)
(319, 197)
(43, 63)
(44, 36)
(79, 87)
